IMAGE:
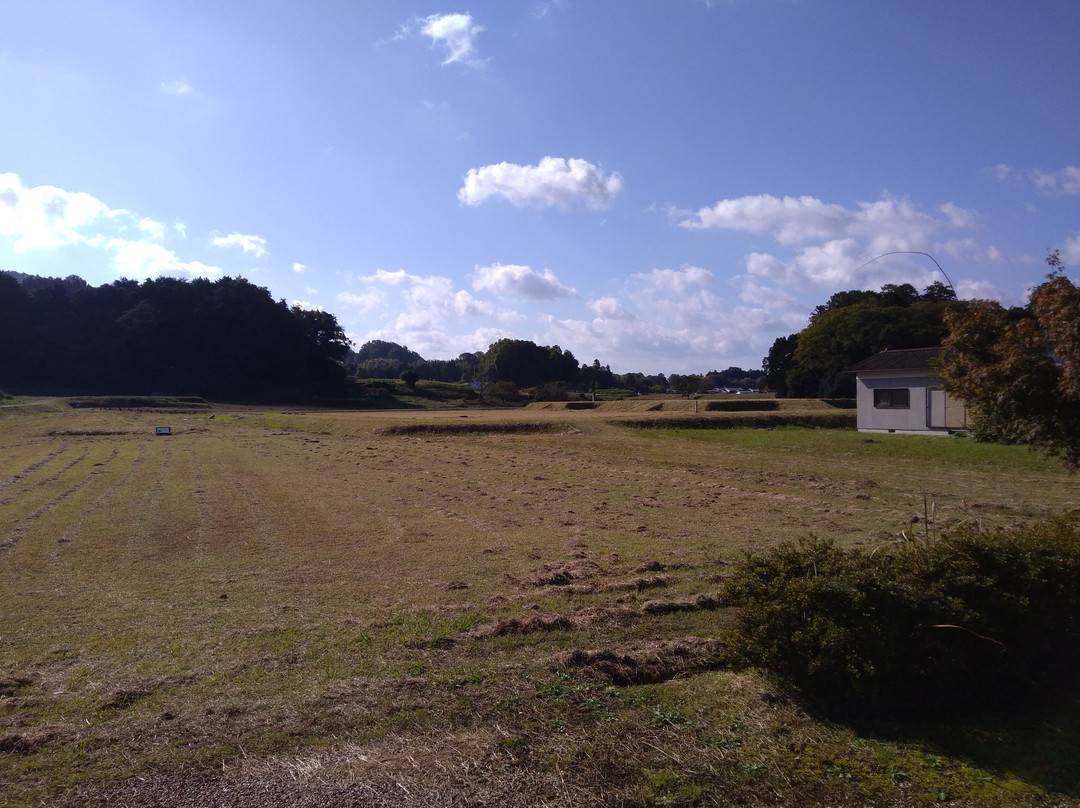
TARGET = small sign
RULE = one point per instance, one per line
(163, 430)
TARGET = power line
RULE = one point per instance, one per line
(911, 252)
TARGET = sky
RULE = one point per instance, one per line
(667, 186)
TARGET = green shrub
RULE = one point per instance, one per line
(974, 619)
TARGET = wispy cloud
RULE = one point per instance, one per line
(454, 34)
(1062, 182)
(256, 245)
(554, 181)
(176, 87)
(1065, 182)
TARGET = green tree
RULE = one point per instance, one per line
(1020, 375)
(838, 338)
(526, 364)
(684, 385)
(778, 362)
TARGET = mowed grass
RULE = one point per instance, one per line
(285, 604)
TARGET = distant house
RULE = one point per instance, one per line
(900, 391)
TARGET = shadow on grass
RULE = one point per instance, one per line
(1037, 743)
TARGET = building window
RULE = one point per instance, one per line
(892, 399)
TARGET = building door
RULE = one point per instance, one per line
(943, 411)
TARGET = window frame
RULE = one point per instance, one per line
(892, 398)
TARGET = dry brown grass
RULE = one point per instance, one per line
(398, 609)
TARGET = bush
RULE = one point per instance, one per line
(974, 619)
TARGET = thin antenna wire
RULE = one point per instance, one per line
(910, 252)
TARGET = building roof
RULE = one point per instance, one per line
(904, 359)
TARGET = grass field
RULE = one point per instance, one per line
(458, 608)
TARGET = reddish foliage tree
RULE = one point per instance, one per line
(1020, 376)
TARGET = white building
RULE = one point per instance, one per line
(900, 391)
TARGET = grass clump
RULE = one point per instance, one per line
(974, 620)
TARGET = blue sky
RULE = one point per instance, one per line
(664, 185)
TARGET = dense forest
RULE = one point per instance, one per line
(848, 328)
(225, 338)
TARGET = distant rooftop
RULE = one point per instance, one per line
(903, 359)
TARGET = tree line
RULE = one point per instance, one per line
(227, 338)
(548, 372)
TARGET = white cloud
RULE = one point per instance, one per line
(958, 217)
(427, 335)
(256, 245)
(888, 224)
(434, 294)
(554, 181)
(457, 34)
(307, 306)
(300, 268)
(977, 290)
(365, 301)
(609, 308)
(45, 216)
(512, 280)
(153, 229)
(675, 280)
(1070, 251)
(141, 260)
(1065, 182)
(791, 219)
(969, 250)
(176, 87)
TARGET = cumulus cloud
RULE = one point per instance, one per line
(45, 216)
(672, 320)
(456, 34)
(888, 224)
(428, 336)
(433, 293)
(512, 280)
(256, 245)
(832, 247)
(300, 268)
(609, 308)
(141, 260)
(307, 305)
(554, 181)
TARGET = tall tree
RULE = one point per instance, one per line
(1020, 375)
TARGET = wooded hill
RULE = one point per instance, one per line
(226, 339)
